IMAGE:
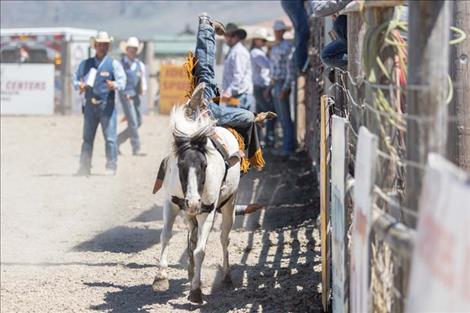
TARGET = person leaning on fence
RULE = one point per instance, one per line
(136, 86)
(236, 77)
(335, 54)
(260, 66)
(282, 71)
(297, 13)
(98, 78)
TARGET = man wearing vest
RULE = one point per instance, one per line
(136, 85)
(98, 78)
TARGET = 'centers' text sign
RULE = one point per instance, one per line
(338, 214)
(364, 181)
(440, 271)
(27, 88)
(173, 86)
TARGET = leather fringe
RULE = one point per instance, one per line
(189, 67)
(244, 162)
(258, 160)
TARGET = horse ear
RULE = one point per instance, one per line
(197, 98)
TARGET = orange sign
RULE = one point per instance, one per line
(173, 86)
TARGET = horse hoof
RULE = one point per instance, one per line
(160, 284)
(195, 296)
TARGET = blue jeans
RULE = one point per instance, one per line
(205, 54)
(131, 109)
(264, 105)
(283, 114)
(295, 9)
(105, 115)
(335, 53)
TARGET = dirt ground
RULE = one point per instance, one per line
(91, 244)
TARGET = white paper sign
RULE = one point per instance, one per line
(90, 77)
(364, 180)
(440, 271)
(27, 88)
(338, 214)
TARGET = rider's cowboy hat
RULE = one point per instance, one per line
(232, 29)
(262, 33)
(100, 37)
(132, 42)
(280, 25)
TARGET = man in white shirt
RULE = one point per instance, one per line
(236, 80)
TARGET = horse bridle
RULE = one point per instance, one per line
(205, 208)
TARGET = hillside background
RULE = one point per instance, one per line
(144, 19)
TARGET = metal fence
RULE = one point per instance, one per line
(378, 100)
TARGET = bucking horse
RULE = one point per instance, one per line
(199, 182)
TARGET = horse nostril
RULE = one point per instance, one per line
(186, 202)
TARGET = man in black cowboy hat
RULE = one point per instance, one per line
(236, 79)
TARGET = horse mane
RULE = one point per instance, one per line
(188, 133)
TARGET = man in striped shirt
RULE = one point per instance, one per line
(281, 78)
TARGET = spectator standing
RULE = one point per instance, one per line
(260, 66)
(236, 78)
(98, 78)
(136, 85)
(281, 77)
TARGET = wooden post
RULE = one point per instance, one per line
(459, 130)
(324, 204)
(429, 23)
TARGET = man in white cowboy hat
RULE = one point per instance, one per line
(98, 78)
(260, 69)
(281, 78)
(136, 85)
(236, 77)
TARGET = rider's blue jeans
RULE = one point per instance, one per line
(205, 54)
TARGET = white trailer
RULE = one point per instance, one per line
(59, 49)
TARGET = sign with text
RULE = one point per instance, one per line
(27, 88)
(173, 86)
(338, 214)
(440, 270)
(362, 219)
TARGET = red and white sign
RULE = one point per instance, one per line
(440, 271)
(27, 88)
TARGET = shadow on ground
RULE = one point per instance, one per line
(121, 239)
(134, 298)
(155, 213)
(277, 282)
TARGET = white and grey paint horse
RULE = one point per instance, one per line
(197, 183)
